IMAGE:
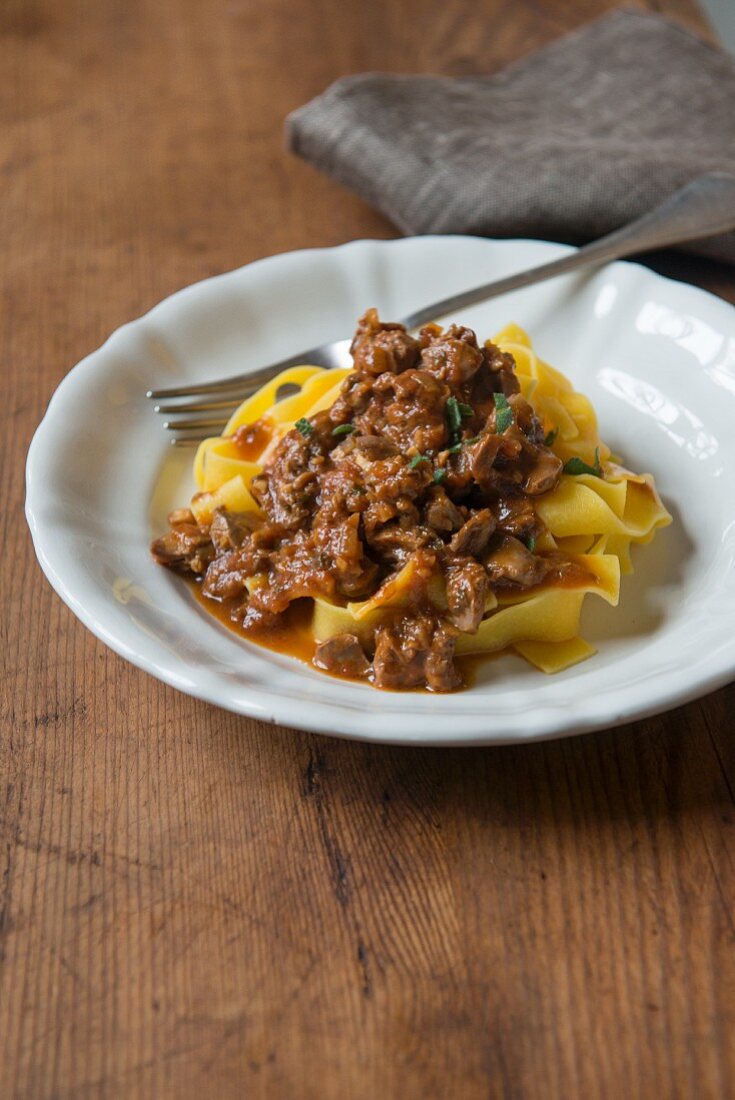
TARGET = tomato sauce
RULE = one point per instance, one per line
(252, 439)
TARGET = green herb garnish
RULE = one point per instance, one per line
(503, 420)
(454, 415)
(551, 436)
(343, 429)
(416, 460)
(304, 427)
(439, 474)
(503, 413)
(576, 466)
(531, 543)
(465, 410)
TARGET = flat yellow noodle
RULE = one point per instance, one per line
(233, 496)
(560, 407)
(551, 657)
(264, 400)
(548, 615)
(361, 618)
(619, 545)
(394, 592)
(334, 378)
(305, 402)
(588, 505)
(221, 463)
(329, 619)
(218, 459)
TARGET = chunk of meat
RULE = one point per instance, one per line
(338, 493)
(513, 563)
(481, 459)
(544, 473)
(400, 656)
(338, 542)
(186, 548)
(442, 514)
(408, 409)
(288, 487)
(377, 514)
(393, 543)
(389, 479)
(356, 395)
(227, 576)
(501, 366)
(440, 671)
(296, 569)
(379, 347)
(229, 529)
(523, 414)
(487, 463)
(467, 587)
(509, 463)
(413, 652)
(366, 448)
(515, 515)
(474, 535)
(343, 654)
(453, 356)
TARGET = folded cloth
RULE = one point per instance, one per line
(566, 144)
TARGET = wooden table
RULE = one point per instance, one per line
(196, 905)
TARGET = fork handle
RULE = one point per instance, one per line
(702, 208)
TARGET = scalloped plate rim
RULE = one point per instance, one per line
(325, 717)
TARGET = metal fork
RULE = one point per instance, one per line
(702, 208)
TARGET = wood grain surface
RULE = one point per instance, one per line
(195, 905)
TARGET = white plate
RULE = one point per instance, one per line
(656, 357)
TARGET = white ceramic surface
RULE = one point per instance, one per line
(656, 357)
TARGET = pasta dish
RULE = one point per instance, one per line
(443, 497)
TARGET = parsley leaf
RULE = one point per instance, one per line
(416, 460)
(465, 410)
(503, 420)
(503, 413)
(454, 415)
(576, 466)
(531, 543)
(551, 436)
(304, 427)
(439, 474)
(343, 429)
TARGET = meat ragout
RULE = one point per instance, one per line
(429, 457)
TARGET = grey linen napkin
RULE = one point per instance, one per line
(566, 144)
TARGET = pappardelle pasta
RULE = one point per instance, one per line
(441, 498)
